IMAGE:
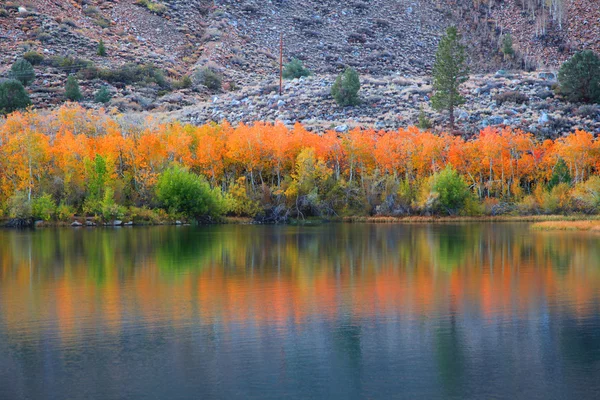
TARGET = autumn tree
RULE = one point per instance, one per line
(449, 72)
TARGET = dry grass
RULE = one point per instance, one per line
(501, 218)
(567, 226)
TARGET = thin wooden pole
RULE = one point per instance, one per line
(281, 63)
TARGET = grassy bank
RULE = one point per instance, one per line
(500, 218)
(589, 225)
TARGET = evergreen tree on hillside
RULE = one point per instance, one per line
(13, 96)
(101, 48)
(579, 77)
(22, 70)
(449, 72)
(72, 91)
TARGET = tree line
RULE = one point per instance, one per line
(70, 161)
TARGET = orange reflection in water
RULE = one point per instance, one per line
(69, 282)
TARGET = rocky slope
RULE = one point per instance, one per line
(390, 42)
(393, 101)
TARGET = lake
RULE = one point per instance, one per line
(338, 311)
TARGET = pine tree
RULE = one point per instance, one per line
(345, 88)
(22, 70)
(579, 77)
(101, 48)
(507, 45)
(72, 91)
(13, 96)
(103, 95)
(449, 72)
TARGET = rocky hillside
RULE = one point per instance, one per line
(390, 42)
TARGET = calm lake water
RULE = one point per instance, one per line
(338, 311)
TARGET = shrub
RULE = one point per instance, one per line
(184, 83)
(19, 206)
(12, 96)
(69, 65)
(586, 195)
(152, 6)
(43, 207)
(209, 78)
(109, 209)
(22, 70)
(33, 57)
(579, 77)
(424, 123)
(64, 212)
(557, 199)
(238, 201)
(72, 91)
(181, 191)
(294, 69)
(511, 96)
(452, 190)
(102, 95)
(346, 87)
(101, 48)
(134, 73)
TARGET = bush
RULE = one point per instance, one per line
(12, 97)
(452, 190)
(294, 69)
(103, 95)
(558, 199)
(152, 6)
(182, 192)
(101, 48)
(184, 83)
(19, 206)
(424, 123)
(238, 201)
(134, 73)
(64, 212)
(579, 77)
(511, 96)
(33, 57)
(22, 70)
(72, 91)
(209, 78)
(109, 209)
(346, 87)
(43, 207)
(586, 196)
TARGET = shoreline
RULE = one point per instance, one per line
(541, 222)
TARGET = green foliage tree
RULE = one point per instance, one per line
(19, 206)
(345, 88)
(72, 91)
(181, 191)
(451, 189)
(43, 207)
(507, 45)
(560, 174)
(579, 77)
(101, 48)
(209, 78)
(102, 95)
(22, 70)
(13, 96)
(449, 72)
(294, 69)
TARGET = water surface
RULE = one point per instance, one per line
(338, 311)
